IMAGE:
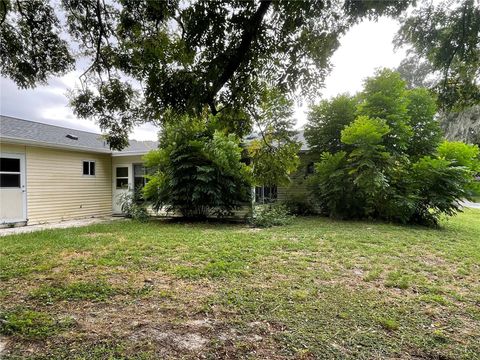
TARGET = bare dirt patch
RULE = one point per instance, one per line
(67, 256)
(250, 230)
(95, 235)
(3, 344)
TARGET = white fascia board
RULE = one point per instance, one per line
(45, 144)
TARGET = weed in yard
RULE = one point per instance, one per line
(388, 324)
(31, 324)
(398, 280)
(94, 291)
(373, 275)
(434, 298)
(440, 336)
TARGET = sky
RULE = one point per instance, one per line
(366, 47)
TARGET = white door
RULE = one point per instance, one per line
(121, 184)
(13, 195)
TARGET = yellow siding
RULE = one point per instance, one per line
(12, 148)
(58, 190)
(122, 160)
(299, 180)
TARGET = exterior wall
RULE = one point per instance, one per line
(298, 186)
(134, 159)
(58, 190)
(12, 148)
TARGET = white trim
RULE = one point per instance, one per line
(130, 153)
(128, 177)
(44, 144)
(89, 175)
(50, 145)
(117, 191)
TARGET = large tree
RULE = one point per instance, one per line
(147, 56)
(274, 152)
(446, 35)
(326, 121)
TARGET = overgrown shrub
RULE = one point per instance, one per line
(270, 215)
(393, 166)
(368, 183)
(133, 206)
(327, 120)
(197, 170)
(439, 185)
(300, 204)
(465, 155)
(332, 187)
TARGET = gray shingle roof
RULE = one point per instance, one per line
(298, 137)
(136, 146)
(31, 131)
(35, 132)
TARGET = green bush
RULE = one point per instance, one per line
(439, 185)
(300, 204)
(348, 186)
(465, 155)
(327, 120)
(133, 206)
(270, 215)
(393, 167)
(461, 154)
(197, 170)
(332, 188)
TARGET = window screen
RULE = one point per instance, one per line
(9, 165)
(9, 180)
(265, 194)
(89, 168)
(122, 177)
(10, 176)
(122, 171)
(139, 180)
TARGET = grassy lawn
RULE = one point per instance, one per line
(314, 289)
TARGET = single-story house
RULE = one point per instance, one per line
(51, 173)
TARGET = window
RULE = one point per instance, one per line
(89, 168)
(9, 172)
(122, 177)
(265, 194)
(310, 168)
(139, 179)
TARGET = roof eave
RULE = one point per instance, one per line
(45, 144)
(129, 153)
